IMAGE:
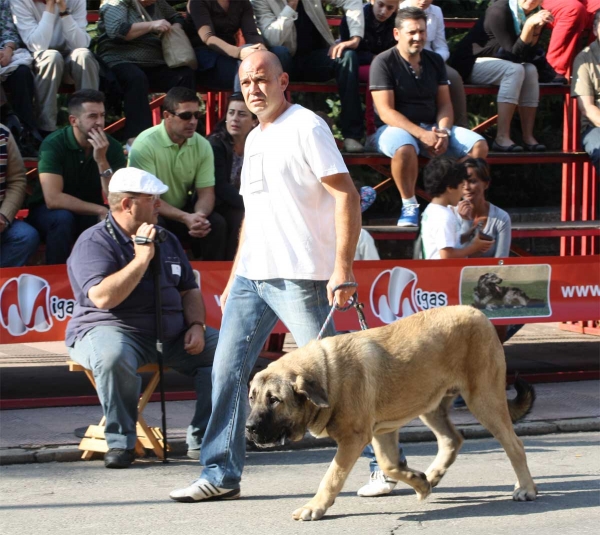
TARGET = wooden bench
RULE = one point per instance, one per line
(535, 229)
(147, 437)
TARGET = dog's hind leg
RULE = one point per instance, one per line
(490, 407)
(449, 440)
(388, 458)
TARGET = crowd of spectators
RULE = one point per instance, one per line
(400, 48)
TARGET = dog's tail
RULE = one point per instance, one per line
(520, 406)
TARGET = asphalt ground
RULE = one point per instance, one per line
(474, 498)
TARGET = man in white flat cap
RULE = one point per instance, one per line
(112, 331)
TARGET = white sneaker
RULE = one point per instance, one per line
(352, 145)
(193, 454)
(202, 489)
(379, 485)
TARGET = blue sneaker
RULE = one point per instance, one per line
(409, 217)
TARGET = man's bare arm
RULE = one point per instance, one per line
(225, 293)
(206, 201)
(384, 102)
(347, 231)
(56, 199)
(115, 288)
(589, 109)
(193, 306)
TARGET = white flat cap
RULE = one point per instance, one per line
(133, 180)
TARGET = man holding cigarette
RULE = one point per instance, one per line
(413, 110)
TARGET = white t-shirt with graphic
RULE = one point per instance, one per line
(440, 228)
(289, 225)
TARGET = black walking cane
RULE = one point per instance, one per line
(156, 266)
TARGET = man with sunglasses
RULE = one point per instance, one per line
(183, 159)
(112, 331)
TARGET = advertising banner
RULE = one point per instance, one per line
(36, 302)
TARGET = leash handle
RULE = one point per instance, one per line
(352, 302)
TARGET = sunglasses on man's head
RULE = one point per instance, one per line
(186, 115)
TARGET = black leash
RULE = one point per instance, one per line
(352, 302)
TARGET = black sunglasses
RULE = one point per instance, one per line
(186, 115)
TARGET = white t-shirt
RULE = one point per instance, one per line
(440, 228)
(365, 248)
(289, 225)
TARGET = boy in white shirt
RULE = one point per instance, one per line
(440, 225)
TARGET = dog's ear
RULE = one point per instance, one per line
(312, 390)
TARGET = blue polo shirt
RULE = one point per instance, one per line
(96, 255)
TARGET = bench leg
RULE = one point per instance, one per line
(147, 437)
(93, 441)
(150, 437)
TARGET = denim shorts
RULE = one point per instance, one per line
(388, 139)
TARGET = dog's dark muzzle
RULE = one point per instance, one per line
(263, 431)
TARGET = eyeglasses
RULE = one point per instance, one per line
(186, 115)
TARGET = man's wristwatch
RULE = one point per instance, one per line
(107, 173)
(447, 130)
(197, 323)
(64, 13)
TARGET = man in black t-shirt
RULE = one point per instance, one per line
(413, 109)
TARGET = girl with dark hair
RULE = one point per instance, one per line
(485, 219)
(481, 216)
(227, 142)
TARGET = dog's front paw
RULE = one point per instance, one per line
(524, 494)
(309, 512)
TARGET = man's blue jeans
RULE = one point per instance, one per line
(369, 453)
(317, 66)
(114, 355)
(217, 71)
(17, 243)
(59, 229)
(591, 145)
(251, 312)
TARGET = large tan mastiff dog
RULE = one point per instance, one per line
(363, 387)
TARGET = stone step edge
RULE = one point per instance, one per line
(47, 454)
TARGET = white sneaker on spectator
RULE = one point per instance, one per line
(351, 145)
(379, 485)
(193, 454)
(202, 490)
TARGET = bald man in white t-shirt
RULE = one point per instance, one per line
(296, 245)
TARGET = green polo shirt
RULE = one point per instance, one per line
(183, 169)
(60, 154)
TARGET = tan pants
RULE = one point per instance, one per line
(458, 97)
(52, 68)
(518, 81)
